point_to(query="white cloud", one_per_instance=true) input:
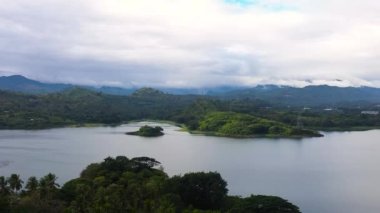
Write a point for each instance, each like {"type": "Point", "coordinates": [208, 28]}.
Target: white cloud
{"type": "Point", "coordinates": [190, 43]}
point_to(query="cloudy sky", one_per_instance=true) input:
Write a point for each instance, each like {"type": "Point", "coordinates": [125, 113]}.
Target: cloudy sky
{"type": "Point", "coordinates": [192, 43]}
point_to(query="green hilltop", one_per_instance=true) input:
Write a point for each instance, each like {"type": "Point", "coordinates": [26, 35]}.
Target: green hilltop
{"type": "Point", "coordinates": [242, 125]}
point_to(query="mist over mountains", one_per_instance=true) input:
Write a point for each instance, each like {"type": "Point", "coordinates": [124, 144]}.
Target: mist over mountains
{"type": "Point", "coordinates": [284, 95]}
{"type": "Point", "coordinates": [19, 83]}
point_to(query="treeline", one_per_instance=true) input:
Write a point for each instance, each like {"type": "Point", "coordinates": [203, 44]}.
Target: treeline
{"type": "Point", "coordinates": [132, 185]}
{"type": "Point", "coordinates": [341, 118]}
{"type": "Point", "coordinates": [79, 106]}
{"type": "Point", "coordinates": [309, 96]}
{"type": "Point", "coordinates": [345, 117]}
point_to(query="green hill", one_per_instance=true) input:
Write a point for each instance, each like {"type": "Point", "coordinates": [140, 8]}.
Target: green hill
{"type": "Point", "coordinates": [147, 92]}
{"type": "Point", "coordinates": [243, 125]}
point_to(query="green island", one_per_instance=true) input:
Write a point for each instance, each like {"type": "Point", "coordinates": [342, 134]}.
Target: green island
{"type": "Point", "coordinates": [208, 115]}
{"type": "Point", "coordinates": [139, 184]}
{"type": "Point", "coordinates": [148, 131]}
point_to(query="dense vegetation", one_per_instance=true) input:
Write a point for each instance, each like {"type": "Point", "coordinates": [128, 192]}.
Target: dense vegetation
{"type": "Point", "coordinates": [148, 131]}
{"type": "Point", "coordinates": [309, 96]}
{"type": "Point", "coordinates": [78, 106]}
{"type": "Point", "coordinates": [242, 125]}
{"type": "Point", "coordinates": [131, 185]}
{"type": "Point", "coordinates": [345, 117]}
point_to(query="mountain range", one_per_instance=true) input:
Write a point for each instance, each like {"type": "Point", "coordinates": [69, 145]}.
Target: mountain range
{"type": "Point", "coordinates": [283, 95]}
{"type": "Point", "coordinates": [19, 83]}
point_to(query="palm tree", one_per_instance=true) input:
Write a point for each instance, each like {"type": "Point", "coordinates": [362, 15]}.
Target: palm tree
{"type": "Point", "coordinates": [48, 185]}
{"type": "Point", "coordinates": [50, 181]}
{"type": "Point", "coordinates": [32, 184]}
{"type": "Point", "coordinates": [15, 183]}
{"type": "Point", "coordinates": [4, 189]}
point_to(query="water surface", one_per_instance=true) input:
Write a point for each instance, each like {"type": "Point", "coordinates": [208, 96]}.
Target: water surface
{"type": "Point", "coordinates": [337, 173]}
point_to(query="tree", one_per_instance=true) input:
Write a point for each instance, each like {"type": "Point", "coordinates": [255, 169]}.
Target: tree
{"type": "Point", "coordinates": [144, 162]}
{"type": "Point", "coordinates": [262, 204]}
{"type": "Point", "coordinates": [15, 183]}
{"type": "Point", "coordinates": [206, 191]}
{"type": "Point", "coordinates": [48, 185]}
{"type": "Point", "coordinates": [32, 184]}
{"type": "Point", "coordinates": [49, 181]}
{"type": "Point", "coordinates": [4, 189]}
{"type": "Point", "coordinates": [116, 185]}
{"type": "Point", "coordinates": [4, 198]}
{"type": "Point", "coordinates": [148, 131]}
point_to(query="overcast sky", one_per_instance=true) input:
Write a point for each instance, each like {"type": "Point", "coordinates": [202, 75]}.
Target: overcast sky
{"type": "Point", "coordinates": [192, 43]}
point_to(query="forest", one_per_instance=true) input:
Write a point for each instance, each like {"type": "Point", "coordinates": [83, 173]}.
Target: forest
{"type": "Point", "coordinates": [78, 106]}
{"type": "Point", "coordinates": [139, 184]}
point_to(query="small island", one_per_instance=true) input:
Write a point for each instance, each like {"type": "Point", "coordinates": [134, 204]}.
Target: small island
{"type": "Point", "coordinates": [148, 131]}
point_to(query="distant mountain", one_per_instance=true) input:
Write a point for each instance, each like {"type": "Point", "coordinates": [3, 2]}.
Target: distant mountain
{"type": "Point", "coordinates": [309, 96]}
{"type": "Point", "coordinates": [147, 92]}
{"type": "Point", "coordinates": [113, 90]}
{"type": "Point", "coordinates": [18, 83]}
{"type": "Point", "coordinates": [201, 91]}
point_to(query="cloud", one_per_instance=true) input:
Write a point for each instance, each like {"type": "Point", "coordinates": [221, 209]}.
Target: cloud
{"type": "Point", "coordinates": [195, 43]}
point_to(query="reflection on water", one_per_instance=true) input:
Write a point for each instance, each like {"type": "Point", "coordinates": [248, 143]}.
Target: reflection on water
{"type": "Point", "coordinates": [336, 173]}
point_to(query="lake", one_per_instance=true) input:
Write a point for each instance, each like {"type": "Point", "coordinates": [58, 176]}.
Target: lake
{"type": "Point", "coordinates": [336, 173]}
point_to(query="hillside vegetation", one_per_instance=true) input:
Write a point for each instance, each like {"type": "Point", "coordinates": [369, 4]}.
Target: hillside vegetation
{"type": "Point", "coordinates": [243, 125]}
{"type": "Point", "coordinates": [309, 96]}
{"type": "Point", "coordinates": [78, 106]}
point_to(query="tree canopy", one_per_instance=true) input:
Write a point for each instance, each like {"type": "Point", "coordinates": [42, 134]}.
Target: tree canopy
{"type": "Point", "coordinates": [121, 184]}
{"type": "Point", "coordinates": [148, 131]}
{"type": "Point", "coordinates": [240, 125]}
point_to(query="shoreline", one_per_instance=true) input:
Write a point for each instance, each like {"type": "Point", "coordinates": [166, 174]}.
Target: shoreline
{"type": "Point", "coordinates": [183, 128]}
{"type": "Point", "coordinates": [215, 134]}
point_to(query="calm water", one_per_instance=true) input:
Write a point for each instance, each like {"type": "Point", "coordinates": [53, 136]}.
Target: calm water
{"type": "Point", "coordinates": [337, 173]}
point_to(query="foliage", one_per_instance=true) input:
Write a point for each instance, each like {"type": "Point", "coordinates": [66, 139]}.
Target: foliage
{"type": "Point", "coordinates": [148, 131]}
{"type": "Point", "coordinates": [261, 204]}
{"type": "Point", "coordinates": [236, 124]}
{"type": "Point", "coordinates": [78, 106]}
{"type": "Point", "coordinates": [309, 96]}
{"type": "Point", "coordinates": [133, 185]}
{"type": "Point", "coordinates": [147, 92]}
{"type": "Point", "coordinates": [201, 190]}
